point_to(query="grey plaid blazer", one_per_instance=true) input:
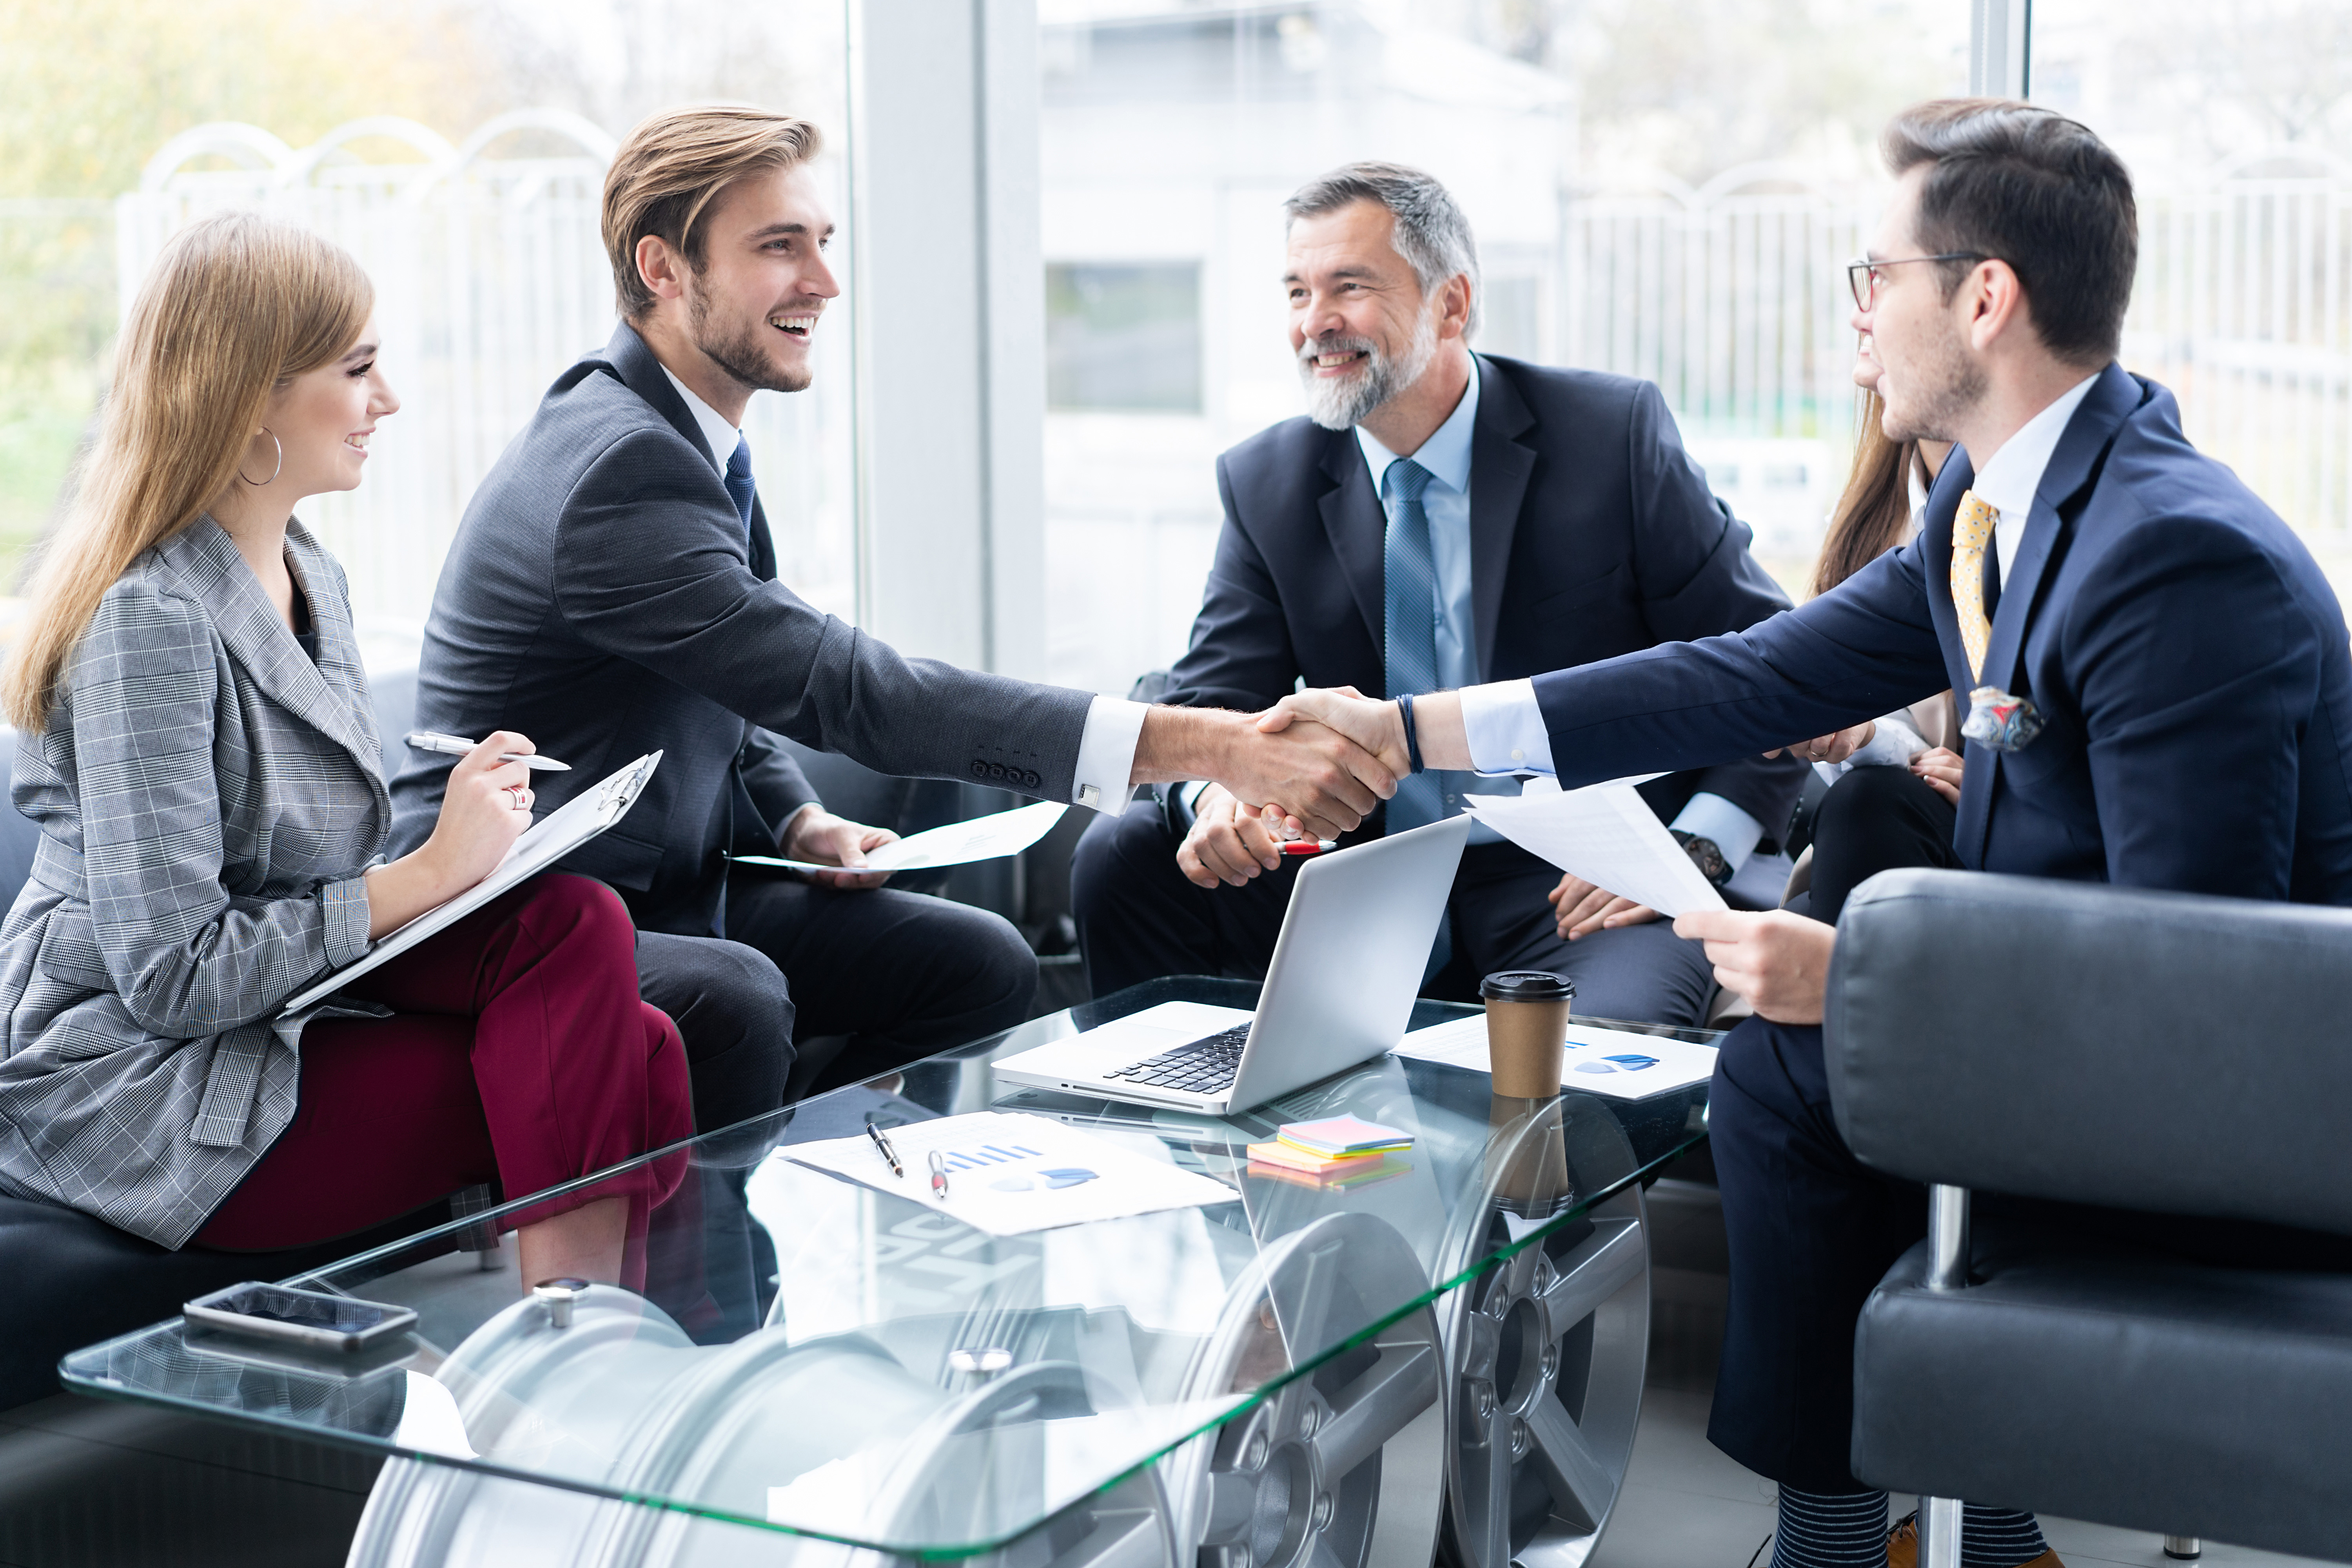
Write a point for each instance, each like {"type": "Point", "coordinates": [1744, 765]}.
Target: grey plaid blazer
{"type": "Point", "coordinates": [208, 797]}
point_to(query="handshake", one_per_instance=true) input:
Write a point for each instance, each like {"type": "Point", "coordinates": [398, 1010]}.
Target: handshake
{"type": "Point", "coordinates": [1321, 759]}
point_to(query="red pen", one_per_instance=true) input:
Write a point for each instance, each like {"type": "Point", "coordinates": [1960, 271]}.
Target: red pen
{"type": "Point", "coordinates": [1308, 846]}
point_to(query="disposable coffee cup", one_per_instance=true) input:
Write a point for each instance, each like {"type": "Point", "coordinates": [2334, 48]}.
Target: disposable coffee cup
{"type": "Point", "coordinates": [1526, 1030]}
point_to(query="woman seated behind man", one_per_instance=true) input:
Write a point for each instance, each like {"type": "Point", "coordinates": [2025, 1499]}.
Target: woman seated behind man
{"type": "Point", "coordinates": [1897, 801]}
{"type": "Point", "coordinates": [198, 748]}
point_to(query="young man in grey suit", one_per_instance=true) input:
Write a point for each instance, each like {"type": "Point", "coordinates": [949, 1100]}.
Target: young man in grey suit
{"type": "Point", "coordinates": [1438, 519]}
{"type": "Point", "coordinates": [613, 590]}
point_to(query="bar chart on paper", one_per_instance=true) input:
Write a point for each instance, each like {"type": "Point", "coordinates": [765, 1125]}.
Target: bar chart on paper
{"type": "Point", "coordinates": [1007, 1173]}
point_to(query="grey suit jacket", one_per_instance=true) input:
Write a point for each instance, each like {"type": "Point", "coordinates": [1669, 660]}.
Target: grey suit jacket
{"type": "Point", "coordinates": [604, 598]}
{"type": "Point", "coordinates": [208, 797]}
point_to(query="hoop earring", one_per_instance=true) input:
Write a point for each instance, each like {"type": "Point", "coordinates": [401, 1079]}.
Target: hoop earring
{"type": "Point", "coordinates": [274, 472]}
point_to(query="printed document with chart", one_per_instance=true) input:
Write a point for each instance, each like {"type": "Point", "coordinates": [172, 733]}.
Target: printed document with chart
{"type": "Point", "coordinates": [1009, 1173]}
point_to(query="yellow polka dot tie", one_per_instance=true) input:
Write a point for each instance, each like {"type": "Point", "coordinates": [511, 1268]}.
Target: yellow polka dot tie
{"type": "Point", "coordinates": [1971, 532]}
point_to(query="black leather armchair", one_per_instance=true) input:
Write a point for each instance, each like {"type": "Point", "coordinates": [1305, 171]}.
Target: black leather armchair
{"type": "Point", "coordinates": [2157, 1053]}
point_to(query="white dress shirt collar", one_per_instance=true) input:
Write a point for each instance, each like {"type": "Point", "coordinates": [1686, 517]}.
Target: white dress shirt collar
{"type": "Point", "coordinates": [717, 431]}
{"type": "Point", "coordinates": [1447, 453]}
{"type": "Point", "coordinates": [2014, 473]}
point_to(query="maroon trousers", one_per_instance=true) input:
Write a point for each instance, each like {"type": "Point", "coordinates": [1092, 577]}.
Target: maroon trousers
{"type": "Point", "coordinates": [518, 1052]}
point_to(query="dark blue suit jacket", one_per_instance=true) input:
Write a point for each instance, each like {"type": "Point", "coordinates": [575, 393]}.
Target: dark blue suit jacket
{"type": "Point", "coordinates": [1591, 533]}
{"type": "Point", "coordinates": [2188, 658]}
{"type": "Point", "coordinates": [604, 598]}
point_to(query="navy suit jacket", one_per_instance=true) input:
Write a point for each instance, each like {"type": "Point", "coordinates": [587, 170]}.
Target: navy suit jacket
{"type": "Point", "coordinates": [603, 597]}
{"type": "Point", "coordinates": [2189, 661]}
{"type": "Point", "coordinates": [1592, 534]}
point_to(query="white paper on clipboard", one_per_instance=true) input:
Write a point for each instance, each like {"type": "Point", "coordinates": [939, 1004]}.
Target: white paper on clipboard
{"type": "Point", "coordinates": [544, 843]}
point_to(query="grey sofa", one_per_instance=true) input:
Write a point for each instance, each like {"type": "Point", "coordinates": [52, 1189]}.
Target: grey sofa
{"type": "Point", "coordinates": [2148, 1052]}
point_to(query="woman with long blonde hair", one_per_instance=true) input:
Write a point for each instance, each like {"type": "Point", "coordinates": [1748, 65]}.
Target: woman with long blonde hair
{"type": "Point", "coordinates": [199, 751]}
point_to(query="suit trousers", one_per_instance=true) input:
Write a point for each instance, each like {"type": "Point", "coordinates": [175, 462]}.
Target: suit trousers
{"type": "Point", "coordinates": [903, 975]}
{"type": "Point", "coordinates": [1813, 1230]}
{"type": "Point", "coordinates": [1139, 918]}
{"type": "Point", "coordinates": [1877, 819]}
{"type": "Point", "coordinates": [518, 1052]}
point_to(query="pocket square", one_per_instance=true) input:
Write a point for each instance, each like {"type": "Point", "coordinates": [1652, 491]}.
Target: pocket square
{"type": "Point", "coordinates": [2001, 721]}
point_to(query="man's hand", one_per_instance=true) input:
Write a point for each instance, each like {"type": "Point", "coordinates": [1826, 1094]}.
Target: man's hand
{"type": "Point", "coordinates": [1582, 909]}
{"type": "Point", "coordinates": [815, 834]}
{"type": "Point", "coordinates": [1780, 961]}
{"type": "Point", "coordinates": [1834, 748]}
{"type": "Point", "coordinates": [1378, 727]}
{"type": "Point", "coordinates": [1326, 781]}
{"type": "Point", "coordinates": [1941, 768]}
{"type": "Point", "coordinates": [1229, 843]}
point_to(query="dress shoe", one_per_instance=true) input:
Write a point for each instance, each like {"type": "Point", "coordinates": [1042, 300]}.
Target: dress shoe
{"type": "Point", "coordinates": [1903, 1548]}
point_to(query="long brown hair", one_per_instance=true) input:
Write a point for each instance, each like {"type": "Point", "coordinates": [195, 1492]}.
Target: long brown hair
{"type": "Point", "coordinates": [236, 305]}
{"type": "Point", "coordinates": [1874, 515]}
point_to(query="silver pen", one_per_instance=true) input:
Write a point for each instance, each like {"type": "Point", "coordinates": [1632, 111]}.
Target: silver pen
{"type": "Point", "coordinates": [457, 747]}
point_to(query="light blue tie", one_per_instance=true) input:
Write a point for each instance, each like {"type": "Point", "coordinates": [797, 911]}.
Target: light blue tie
{"type": "Point", "coordinates": [1409, 573]}
{"type": "Point", "coordinates": [1409, 579]}
{"type": "Point", "coordinates": [739, 488]}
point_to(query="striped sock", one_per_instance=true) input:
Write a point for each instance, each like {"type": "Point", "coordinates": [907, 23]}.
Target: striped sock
{"type": "Point", "coordinates": [1999, 1538]}
{"type": "Point", "coordinates": [1831, 1529]}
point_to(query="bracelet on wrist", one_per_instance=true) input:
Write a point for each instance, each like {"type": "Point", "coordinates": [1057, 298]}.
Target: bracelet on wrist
{"type": "Point", "coordinates": [1412, 739]}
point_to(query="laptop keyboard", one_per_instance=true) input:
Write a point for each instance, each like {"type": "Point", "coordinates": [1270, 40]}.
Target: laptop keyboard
{"type": "Point", "coordinates": [1198, 1067]}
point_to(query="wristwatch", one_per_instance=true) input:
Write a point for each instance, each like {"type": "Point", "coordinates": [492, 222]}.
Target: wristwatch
{"type": "Point", "coordinates": [1705, 855]}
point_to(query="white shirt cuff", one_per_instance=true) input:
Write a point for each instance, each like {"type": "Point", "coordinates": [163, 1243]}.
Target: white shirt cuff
{"type": "Point", "coordinates": [1733, 830]}
{"type": "Point", "coordinates": [1107, 754]}
{"type": "Point", "coordinates": [1506, 729]}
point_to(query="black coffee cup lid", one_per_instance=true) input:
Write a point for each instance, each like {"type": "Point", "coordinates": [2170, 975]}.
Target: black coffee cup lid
{"type": "Point", "coordinates": [1527, 986]}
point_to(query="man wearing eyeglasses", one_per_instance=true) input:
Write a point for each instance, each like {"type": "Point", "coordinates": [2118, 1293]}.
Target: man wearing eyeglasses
{"type": "Point", "coordinates": [2157, 689]}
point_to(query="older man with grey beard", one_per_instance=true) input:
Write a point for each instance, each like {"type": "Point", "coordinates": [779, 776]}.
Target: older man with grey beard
{"type": "Point", "coordinates": [1439, 518]}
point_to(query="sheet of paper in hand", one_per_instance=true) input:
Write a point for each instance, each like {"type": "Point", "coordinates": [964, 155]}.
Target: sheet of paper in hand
{"type": "Point", "coordinates": [1607, 835]}
{"type": "Point", "coordinates": [957, 844]}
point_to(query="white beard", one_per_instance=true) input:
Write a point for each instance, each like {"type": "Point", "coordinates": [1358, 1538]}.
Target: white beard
{"type": "Point", "coordinates": [1343, 402]}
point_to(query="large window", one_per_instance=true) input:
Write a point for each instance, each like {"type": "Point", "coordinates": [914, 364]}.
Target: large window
{"type": "Point", "coordinates": [1663, 191]}
{"type": "Point", "coordinates": [459, 155]}
{"type": "Point", "coordinates": [2237, 124]}
{"type": "Point", "coordinates": [1123, 336]}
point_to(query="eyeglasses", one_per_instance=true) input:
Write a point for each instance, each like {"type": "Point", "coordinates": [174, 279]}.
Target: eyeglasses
{"type": "Point", "coordinates": [1862, 277]}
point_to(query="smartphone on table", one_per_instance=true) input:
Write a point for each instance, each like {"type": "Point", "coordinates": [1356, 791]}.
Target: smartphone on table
{"type": "Point", "coordinates": [289, 1314]}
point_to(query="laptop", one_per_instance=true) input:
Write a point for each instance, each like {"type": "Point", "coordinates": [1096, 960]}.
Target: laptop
{"type": "Point", "coordinates": [1339, 991]}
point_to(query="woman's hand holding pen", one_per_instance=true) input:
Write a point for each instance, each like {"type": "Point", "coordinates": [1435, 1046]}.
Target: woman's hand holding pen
{"type": "Point", "coordinates": [485, 807]}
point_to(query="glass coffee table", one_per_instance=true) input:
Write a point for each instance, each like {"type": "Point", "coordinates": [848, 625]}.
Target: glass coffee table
{"type": "Point", "coordinates": [1324, 1374]}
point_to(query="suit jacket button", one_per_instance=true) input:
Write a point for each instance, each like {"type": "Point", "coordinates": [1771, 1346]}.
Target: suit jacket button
{"type": "Point", "coordinates": [979, 769]}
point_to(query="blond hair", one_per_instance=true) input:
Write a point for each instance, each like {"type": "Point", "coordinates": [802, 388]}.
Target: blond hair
{"type": "Point", "coordinates": [671, 170]}
{"type": "Point", "coordinates": [236, 305]}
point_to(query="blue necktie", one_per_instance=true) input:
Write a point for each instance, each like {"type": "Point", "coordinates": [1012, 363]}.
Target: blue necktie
{"type": "Point", "coordinates": [1409, 581]}
{"type": "Point", "coordinates": [738, 480]}
{"type": "Point", "coordinates": [1409, 573]}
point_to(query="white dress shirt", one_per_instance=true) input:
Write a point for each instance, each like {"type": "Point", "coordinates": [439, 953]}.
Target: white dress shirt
{"type": "Point", "coordinates": [1506, 728]}
{"type": "Point", "coordinates": [1114, 727]}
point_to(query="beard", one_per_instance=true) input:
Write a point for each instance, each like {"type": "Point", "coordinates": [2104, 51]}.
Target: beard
{"type": "Point", "coordinates": [1342, 402]}
{"type": "Point", "coordinates": [1946, 384]}
{"type": "Point", "coordinates": [740, 350]}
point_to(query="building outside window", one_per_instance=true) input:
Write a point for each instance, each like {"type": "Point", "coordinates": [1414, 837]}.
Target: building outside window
{"type": "Point", "coordinates": [1659, 191]}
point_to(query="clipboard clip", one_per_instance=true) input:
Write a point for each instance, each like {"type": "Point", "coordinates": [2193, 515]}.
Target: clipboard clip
{"type": "Point", "coordinates": [621, 792]}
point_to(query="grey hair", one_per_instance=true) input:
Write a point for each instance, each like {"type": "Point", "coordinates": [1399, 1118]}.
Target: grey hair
{"type": "Point", "coordinates": [1431, 233]}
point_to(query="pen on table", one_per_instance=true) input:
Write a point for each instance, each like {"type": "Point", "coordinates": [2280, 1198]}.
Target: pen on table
{"type": "Point", "coordinates": [457, 747]}
{"type": "Point", "coordinates": [939, 1177]}
{"type": "Point", "coordinates": [889, 1153]}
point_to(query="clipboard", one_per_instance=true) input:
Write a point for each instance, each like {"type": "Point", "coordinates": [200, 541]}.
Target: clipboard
{"type": "Point", "coordinates": [543, 843]}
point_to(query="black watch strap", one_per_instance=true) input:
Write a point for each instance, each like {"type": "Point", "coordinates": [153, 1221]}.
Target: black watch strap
{"type": "Point", "coordinates": [1706, 855]}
